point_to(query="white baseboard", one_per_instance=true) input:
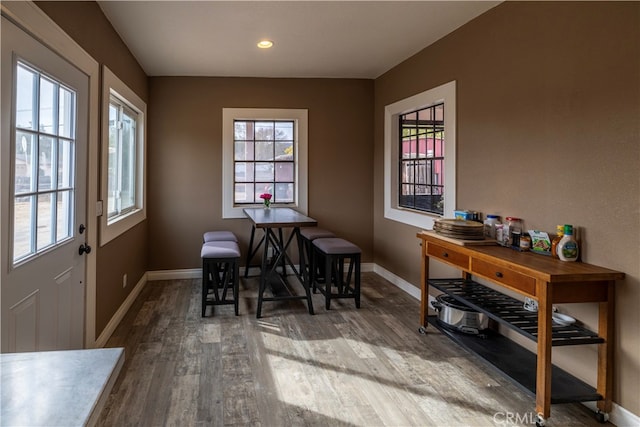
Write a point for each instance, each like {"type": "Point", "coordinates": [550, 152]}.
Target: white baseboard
{"type": "Point", "coordinates": [119, 314]}
{"type": "Point", "coordinates": [191, 273]}
{"type": "Point", "coordinates": [397, 281]}
{"type": "Point", "coordinates": [619, 416]}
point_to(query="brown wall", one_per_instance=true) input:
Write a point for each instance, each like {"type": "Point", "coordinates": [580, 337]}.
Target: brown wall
{"type": "Point", "coordinates": [85, 22]}
{"type": "Point", "coordinates": [185, 129]}
{"type": "Point", "coordinates": [548, 130]}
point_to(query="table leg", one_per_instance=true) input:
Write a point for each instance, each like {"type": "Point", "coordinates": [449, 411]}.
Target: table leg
{"type": "Point", "coordinates": [605, 350]}
{"type": "Point", "coordinates": [249, 254]}
{"type": "Point", "coordinates": [264, 272]}
{"type": "Point", "coordinates": [543, 372]}
{"type": "Point", "coordinates": [424, 288]}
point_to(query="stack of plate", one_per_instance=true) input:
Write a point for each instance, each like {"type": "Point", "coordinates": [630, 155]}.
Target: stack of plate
{"type": "Point", "coordinates": [459, 229]}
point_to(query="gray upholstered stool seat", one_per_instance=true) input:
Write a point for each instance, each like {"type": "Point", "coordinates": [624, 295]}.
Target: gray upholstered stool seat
{"type": "Point", "coordinates": [307, 261]}
{"type": "Point", "coordinates": [336, 246]}
{"type": "Point", "coordinates": [219, 236]}
{"type": "Point", "coordinates": [313, 233]}
{"type": "Point", "coordinates": [220, 271]}
{"type": "Point", "coordinates": [220, 250]}
{"type": "Point", "coordinates": [334, 252]}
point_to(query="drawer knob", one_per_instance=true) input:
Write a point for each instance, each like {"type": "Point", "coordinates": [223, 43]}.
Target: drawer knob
{"type": "Point", "coordinates": [498, 274]}
{"type": "Point", "coordinates": [445, 255]}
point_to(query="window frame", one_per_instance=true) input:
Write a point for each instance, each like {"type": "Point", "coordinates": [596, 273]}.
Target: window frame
{"type": "Point", "coordinates": [416, 162]}
{"type": "Point", "coordinates": [112, 227]}
{"type": "Point", "coordinates": [300, 117]}
{"type": "Point", "coordinates": [445, 93]}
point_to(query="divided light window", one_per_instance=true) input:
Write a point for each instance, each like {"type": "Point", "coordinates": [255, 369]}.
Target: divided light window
{"type": "Point", "coordinates": [421, 168]}
{"type": "Point", "coordinates": [44, 161]}
{"type": "Point", "coordinates": [123, 137]}
{"type": "Point", "coordinates": [264, 160]}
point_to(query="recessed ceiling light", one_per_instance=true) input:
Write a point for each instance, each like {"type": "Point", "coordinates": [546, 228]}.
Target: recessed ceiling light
{"type": "Point", "coordinates": [265, 44]}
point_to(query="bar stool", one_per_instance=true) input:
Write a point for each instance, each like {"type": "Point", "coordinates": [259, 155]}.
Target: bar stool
{"type": "Point", "coordinates": [220, 271]}
{"type": "Point", "coordinates": [335, 251]}
{"type": "Point", "coordinates": [219, 236]}
{"type": "Point", "coordinates": [307, 263]}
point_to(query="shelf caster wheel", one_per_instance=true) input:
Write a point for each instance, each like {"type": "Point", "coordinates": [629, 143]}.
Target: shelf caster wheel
{"type": "Point", "coordinates": [540, 421]}
{"type": "Point", "coordinates": [422, 330]}
{"type": "Point", "coordinates": [602, 417]}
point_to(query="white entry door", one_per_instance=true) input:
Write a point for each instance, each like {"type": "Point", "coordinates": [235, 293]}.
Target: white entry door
{"type": "Point", "coordinates": [43, 163]}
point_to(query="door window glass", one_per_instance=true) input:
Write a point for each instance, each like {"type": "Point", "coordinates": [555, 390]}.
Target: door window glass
{"type": "Point", "coordinates": [44, 156]}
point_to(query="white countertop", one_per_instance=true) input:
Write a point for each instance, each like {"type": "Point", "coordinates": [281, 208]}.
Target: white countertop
{"type": "Point", "coordinates": [57, 388]}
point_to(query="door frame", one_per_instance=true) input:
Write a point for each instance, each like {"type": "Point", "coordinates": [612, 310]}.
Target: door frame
{"type": "Point", "coordinates": [29, 17]}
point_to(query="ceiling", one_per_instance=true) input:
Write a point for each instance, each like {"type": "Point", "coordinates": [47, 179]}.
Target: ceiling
{"type": "Point", "coordinates": [328, 39]}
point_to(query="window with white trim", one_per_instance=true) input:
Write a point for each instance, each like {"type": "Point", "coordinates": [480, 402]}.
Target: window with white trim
{"type": "Point", "coordinates": [420, 157]}
{"type": "Point", "coordinates": [123, 158]}
{"type": "Point", "coordinates": [263, 151]}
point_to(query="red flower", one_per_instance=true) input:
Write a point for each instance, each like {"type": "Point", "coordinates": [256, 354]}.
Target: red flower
{"type": "Point", "coordinates": [266, 196]}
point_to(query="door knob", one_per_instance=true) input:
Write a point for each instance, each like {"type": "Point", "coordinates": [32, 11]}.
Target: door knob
{"type": "Point", "coordinates": [84, 249]}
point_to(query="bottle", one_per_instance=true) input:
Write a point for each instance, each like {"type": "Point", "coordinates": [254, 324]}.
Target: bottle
{"type": "Point", "coordinates": [500, 233]}
{"type": "Point", "coordinates": [554, 242]}
{"type": "Point", "coordinates": [512, 231]}
{"type": "Point", "coordinates": [489, 226]}
{"type": "Point", "coordinates": [567, 248]}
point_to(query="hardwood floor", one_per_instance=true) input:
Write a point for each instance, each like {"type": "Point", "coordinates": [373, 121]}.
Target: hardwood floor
{"type": "Point", "coordinates": [343, 367]}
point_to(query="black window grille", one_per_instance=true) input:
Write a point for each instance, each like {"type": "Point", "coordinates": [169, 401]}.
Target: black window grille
{"type": "Point", "coordinates": [421, 157]}
{"type": "Point", "coordinates": [264, 160]}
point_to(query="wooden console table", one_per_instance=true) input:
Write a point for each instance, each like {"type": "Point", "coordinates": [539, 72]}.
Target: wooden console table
{"type": "Point", "coordinates": [545, 279]}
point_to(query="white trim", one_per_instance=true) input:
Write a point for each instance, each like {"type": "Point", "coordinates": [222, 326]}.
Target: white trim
{"type": "Point", "coordinates": [618, 416]}
{"type": "Point", "coordinates": [121, 312]}
{"type": "Point", "coordinates": [37, 23]}
{"type": "Point", "coordinates": [229, 210]}
{"type": "Point", "coordinates": [191, 273]}
{"type": "Point", "coordinates": [110, 229]}
{"type": "Point", "coordinates": [397, 281]}
{"type": "Point", "coordinates": [444, 93]}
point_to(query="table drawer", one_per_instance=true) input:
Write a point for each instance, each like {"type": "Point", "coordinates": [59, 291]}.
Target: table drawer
{"type": "Point", "coordinates": [512, 279]}
{"type": "Point", "coordinates": [448, 255]}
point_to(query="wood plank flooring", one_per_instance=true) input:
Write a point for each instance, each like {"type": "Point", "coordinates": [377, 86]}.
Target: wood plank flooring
{"type": "Point", "coordinates": [342, 367]}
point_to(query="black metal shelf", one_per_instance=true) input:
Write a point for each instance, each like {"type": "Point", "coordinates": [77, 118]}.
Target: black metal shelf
{"type": "Point", "coordinates": [520, 365]}
{"type": "Point", "coordinates": [510, 312]}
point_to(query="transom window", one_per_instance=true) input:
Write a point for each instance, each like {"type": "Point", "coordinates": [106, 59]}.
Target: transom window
{"type": "Point", "coordinates": [44, 155]}
{"type": "Point", "coordinates": [264, 160]}
{"type": "Point", "coordinates": [421, 136]}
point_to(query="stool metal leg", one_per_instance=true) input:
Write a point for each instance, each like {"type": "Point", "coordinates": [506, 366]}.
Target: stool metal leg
{"type": "Point", "coordinates": [357, 280]}
{"type": "Point", "coordinates": [329, 261]}
{"type": "Point", "coordinates": [236, 285]}
{"type": "Point", "coordinates": [205, 286]}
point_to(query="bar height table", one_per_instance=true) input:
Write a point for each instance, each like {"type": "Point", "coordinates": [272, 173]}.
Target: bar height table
{"type": "Point", "coordinates": [270, 220]}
